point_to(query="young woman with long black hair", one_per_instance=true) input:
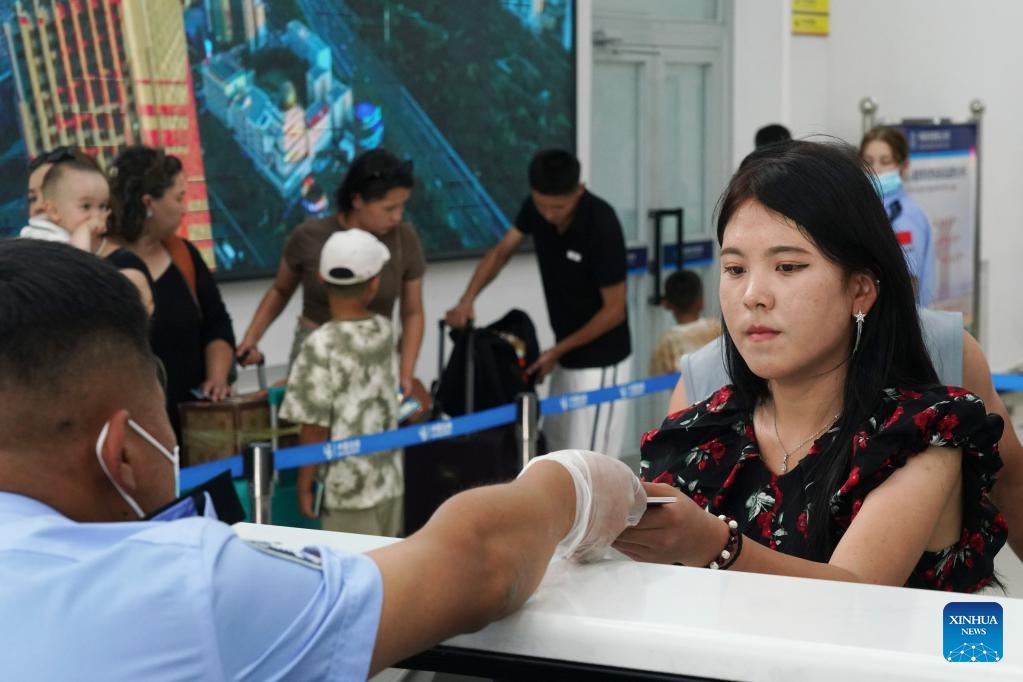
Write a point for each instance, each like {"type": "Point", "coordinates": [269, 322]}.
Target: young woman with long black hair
{"type": "Point", "coordinates": [834, 454]}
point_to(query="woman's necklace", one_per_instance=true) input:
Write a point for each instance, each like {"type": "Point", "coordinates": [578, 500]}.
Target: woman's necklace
{"type": "Point", "coordinates": [812, 436]}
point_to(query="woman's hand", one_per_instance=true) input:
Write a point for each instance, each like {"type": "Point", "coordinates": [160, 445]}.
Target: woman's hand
{"type": "Point", "coordinates": [680, 532]}
{"type": "Point", "coordinates": [304, 483]}
{"type": "Point", "coordinates": [248, 354]}
{"type": "Point", "coordinates": [406, 386]}
{"type": "Point", "coordinates": [305, 502]}
{"type": "Point", "coordinates": [216, 389]}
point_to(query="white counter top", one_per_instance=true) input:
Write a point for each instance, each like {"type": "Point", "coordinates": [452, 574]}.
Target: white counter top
{"type": "Point", "coordinates": [721, 624]}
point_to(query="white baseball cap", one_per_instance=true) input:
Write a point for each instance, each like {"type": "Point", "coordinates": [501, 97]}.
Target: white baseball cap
{"type": "Point", "coordinates": [352, 256]}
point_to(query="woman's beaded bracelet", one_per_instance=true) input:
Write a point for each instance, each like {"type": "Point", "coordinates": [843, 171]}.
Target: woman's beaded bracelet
{"type": "Point", "coordinates": [730, 553]}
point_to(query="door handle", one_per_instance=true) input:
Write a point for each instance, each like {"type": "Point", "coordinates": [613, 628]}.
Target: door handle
{"type": "Point", "coordinates": [658, 215]}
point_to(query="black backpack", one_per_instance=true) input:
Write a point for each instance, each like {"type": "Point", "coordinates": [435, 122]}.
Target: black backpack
{"type": "Point", "coordinates": [501, 352]}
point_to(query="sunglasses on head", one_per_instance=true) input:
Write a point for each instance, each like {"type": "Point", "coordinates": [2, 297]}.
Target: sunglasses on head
{"type": "Point", "coordinates": [54, 156]}
{"type": "Point", "coordinates": [392, 172]}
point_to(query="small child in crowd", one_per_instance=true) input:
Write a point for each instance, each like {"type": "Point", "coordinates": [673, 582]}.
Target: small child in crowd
{"type": "Point", "coordinates": [343, 383]}
{"type": "Point", "coordinates": [76, 204]}
{"type": "Point", "coordinates": [683, 298]}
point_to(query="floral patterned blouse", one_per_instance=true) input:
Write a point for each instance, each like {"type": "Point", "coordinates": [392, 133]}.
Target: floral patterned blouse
{"type": "Point", "coordinates": [709, 452]}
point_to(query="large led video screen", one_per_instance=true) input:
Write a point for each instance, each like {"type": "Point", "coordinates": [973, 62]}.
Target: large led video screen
{"type": "Point", "coordinates": [268, 101]}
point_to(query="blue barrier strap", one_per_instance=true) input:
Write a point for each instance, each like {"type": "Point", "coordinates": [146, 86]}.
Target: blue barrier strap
{"type": "Point", "coordinates": [1008, 383]}
{"type": "Point", "coordinates": [330, 451]}
{"type": "Point", "coordinates": [635, 389]}
{"type": "Point", "coordinates": [193, 476]}
{"type": "Point", "coordinates": [318, 453]}
{"type": "Point", "coordinates": [672, 266]}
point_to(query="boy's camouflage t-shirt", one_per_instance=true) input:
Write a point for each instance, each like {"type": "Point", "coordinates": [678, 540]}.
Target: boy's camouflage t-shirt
{"type": "Point", "coordinates": [344, 378]}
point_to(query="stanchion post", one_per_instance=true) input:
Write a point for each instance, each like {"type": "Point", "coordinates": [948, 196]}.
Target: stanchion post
{"type": "Point", "coordinates": [868, 112]}
{"type": "Point", "coordinates": [274, 398]}
{"type": "Point", "coordinates": [526, 431]}
{"type": "Point", "coordinates": [258, 469]}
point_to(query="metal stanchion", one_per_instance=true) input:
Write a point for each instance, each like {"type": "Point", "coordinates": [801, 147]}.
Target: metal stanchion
{"type": "Point", "coordinates": [527, 411]}
{"type": "Point", "coordinates": [868, 112]}
{"type": "Point", "coordinates": [274, 397]}
{"type": "Point", "coordinates": [258, 469]}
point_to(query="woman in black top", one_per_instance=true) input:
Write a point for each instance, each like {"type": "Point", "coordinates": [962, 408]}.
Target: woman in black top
{"type": "Point", "coordinates": [132, 267]}
{"type": "Point", "coordinates": [191, 330]}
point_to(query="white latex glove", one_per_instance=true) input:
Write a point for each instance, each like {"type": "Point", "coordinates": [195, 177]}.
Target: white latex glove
{"type": "Point", "coordinates": [608, 499]}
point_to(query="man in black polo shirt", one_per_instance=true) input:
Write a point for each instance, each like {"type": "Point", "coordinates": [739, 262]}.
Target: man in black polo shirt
{"type": "Point", "coordinates": [581, 253]}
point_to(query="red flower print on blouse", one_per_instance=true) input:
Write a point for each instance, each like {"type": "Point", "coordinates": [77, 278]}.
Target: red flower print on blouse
{"type": "Point", "coordinates": [852, 481]}
{"type": "Point", "coordinates": [896, 416]}
{"type": "Point", "coordinates": [664, 477]}
{"type": "Point", "coordinates": [647, 437]}
{"type": "Point", "coordinates": [675, 416]}
{"type": "Point", "coordinates": [719, 399]}
{"type": "Point", "coordinates": [715, 448]}
{"type": "Point", "coordinates": [718, 455]}
{"type": "Point", "coordinates": [977, 542]}
{"type": "Point", "coordinates": [947, 426]}
{"type": "Point", "coordinates": [802, 523]}
{"type": "Point", "coordinates": [957, 392]}
{"type": "Point", "coordinates": [923, 418]}
{"type": "Point", "coordinates": [764, 520]}
{"type": "Point", "coordinates": [860, 441]}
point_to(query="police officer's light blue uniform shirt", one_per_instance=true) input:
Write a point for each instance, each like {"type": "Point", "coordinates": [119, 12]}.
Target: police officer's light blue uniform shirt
{"type": "Point", "coordinates": [174, 600]}
{"type": "Point", "coordinates": [913, 230]}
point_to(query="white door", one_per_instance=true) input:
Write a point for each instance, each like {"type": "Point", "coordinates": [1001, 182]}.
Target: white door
{"type": "Point", "coordinates": [658, 143]}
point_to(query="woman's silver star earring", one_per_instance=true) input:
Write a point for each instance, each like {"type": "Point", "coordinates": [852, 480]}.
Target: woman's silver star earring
{"type": "Point", "coordinates": [860, 317]}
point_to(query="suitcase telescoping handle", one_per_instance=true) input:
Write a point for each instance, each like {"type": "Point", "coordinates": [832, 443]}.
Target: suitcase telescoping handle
{"type": "Point", "coordinates": [470, 364]}
{"type": "Point", "coordinates": [260, 371]}
{"type": "Point", "coordinates": [435, 403]}
{"type": "Point", "coordinates": [440, 348]}
{"type": "Point", "coordinates": [470, 367]}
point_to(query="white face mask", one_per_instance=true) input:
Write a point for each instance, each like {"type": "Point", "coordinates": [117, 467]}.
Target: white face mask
{"type": "Point", "coordinates": [174, 458]}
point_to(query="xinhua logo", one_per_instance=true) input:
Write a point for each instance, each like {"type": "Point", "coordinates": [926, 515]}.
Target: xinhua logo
{"type": "Point", "coordinates": [973, 632]}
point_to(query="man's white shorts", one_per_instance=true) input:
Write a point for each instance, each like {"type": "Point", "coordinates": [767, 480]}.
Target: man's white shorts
{"type": "Point", "coordinates": [600, 428]}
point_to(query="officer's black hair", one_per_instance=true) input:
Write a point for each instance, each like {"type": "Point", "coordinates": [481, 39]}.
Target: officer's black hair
{"type": "Point", "coordinates": [62, 311]}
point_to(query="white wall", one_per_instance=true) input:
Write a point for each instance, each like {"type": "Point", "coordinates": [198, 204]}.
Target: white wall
{"type": "Point", "coordinates": [761, 70]}
{"type": "Point", "coordinates": [918, 58]}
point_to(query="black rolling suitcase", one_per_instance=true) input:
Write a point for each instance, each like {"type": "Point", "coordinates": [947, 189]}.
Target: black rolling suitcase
{"type": "Point", "coordinates": [435, 471]}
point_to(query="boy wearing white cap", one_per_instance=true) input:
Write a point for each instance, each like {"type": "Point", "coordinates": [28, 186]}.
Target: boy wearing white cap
{"type": "Point", "coordinates": [343, 383]}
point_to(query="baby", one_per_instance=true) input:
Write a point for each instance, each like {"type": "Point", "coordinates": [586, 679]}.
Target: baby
{"type": "Point", "coordinates": [76, 203]}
